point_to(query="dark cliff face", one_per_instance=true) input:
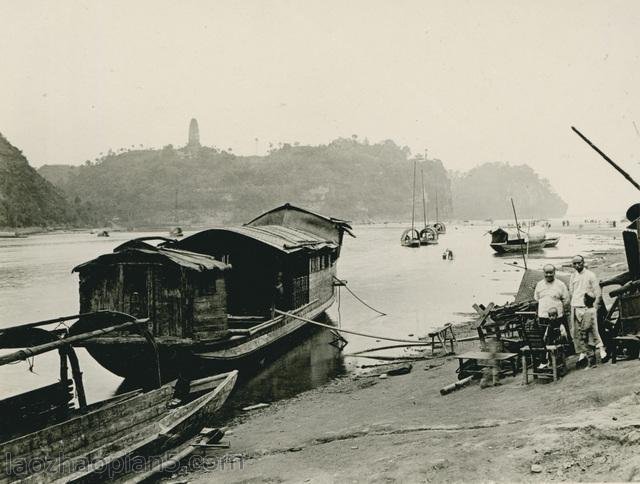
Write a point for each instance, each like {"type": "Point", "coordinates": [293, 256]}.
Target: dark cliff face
{"type": "Point", "coordinates": [26, 198]}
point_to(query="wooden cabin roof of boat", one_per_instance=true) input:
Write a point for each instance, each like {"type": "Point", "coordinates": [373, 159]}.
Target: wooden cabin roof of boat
{"type": "Point", "coordinates": [283, 239]}
{"type": "Point", "coordinates": [140, 251]}
{"type": "Point", "coordinates": [287, 215]}
{"type": "Point", "coordinates": [287, 229]}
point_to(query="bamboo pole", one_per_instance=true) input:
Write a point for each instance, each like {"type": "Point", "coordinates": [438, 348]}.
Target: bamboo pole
{"type": "Point", "coordinates": [413, 200]}
{"type": "Point", "coordinates": [607, 159]}
{"type": "Point", "coordinates": [25, 353]}
{"type": "Point", "coordinates": [524, 258]}
{"type": "Point", "coordinates": [57, 320]}
{"type": "Point", "coordinates": [424, 202]}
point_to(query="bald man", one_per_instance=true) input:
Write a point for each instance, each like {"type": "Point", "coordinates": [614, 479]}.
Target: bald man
{"type": "Point", "coordinates": [551, 293]}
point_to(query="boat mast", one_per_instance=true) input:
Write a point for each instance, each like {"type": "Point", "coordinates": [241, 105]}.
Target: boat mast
{"type": "Point", "coordinates": [413, 200]}
{"type": "Point", "coordinates": [524, 258]}
{"type": "Point", "coordinates": [437, 216]}
{"type": "Point", "coordinates": [176, 208]}
{"type": "Point", "coordinates": [424, 203]}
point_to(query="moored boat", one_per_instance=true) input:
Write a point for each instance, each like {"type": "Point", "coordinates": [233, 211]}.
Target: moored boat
{"type": "Point", "coordinates": [46, 438]}
{"type": "Point", "coordinates": [429, 234]}
{"type": "Point", "coordinates": [211, 297]}
{"type": "Point", "coordinates": [410, 238]}
{"type": "Point", "coordinates": [510, 241]}
{"type": "Point", "coordinates": [550, 241]}
{"type": "Point", "coordinates": [12, 235]}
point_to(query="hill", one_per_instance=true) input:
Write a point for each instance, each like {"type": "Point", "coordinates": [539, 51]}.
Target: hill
{"type": "Point", "coordinates": [27, 199]}
{"type": "Point", "coordinates": [485, 191]}
{"type": "Point", "coordinates": [197, 185]}
{"type": "Point", "coordinates": [349, 178]}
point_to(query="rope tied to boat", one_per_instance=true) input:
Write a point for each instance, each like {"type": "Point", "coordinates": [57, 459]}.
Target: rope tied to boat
{"type": "Point", "coordinates": [343, 283]}
{"type": "Point", "coordinates": [340, 330]}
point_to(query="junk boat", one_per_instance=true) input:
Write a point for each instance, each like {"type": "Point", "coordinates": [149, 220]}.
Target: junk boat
{"type": "Point", "coordinates": [509, 241]}
{"type": "Point", "coordinates": [411, 237]}
{"type": "Point", "coordinates": [429, 234]}
{"type": "Point", "coordinates": [47, 438]}
{"type": "Point", "coordinates": [211, 298]}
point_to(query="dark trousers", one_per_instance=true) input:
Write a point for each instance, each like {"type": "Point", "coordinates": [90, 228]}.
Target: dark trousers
{"type": "Point", "coordinates": [553, 333]}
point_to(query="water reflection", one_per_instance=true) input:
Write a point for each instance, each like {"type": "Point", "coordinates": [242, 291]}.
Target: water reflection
{"type": "Point", "coordinates": [302, 362]}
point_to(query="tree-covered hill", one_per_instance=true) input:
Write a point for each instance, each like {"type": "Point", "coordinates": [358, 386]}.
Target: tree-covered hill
{"type": "Point", "coordinates": [346, 178]}
{"type": "Point", "coordinates": [27, 199]}
{"type": "Point", "coordinates": [485, 191]}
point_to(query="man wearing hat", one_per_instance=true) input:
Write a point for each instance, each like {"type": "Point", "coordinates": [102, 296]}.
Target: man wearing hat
{"type": "Point", "coordinates": [582, 282]}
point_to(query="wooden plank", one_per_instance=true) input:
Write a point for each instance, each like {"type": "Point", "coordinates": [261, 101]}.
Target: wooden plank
{"type": "Point", "coordinates": [485, 355]}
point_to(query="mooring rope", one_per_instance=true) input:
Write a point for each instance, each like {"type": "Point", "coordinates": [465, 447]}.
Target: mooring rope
{"type": "Point", "coordinates": [358, 298]}
{"type": "Point", "coordinates": [366, 335]}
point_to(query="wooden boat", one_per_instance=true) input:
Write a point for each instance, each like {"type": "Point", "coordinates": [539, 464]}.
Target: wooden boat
{"type": "Point", "coordinates": [103, 233]}
{"type": "Point", "coordinates": [411, 237]}
{"type": "Point", "coordinates": [513, 241]}
{"type": "Point", "coordinates": [12, 235]}
{"type": "Point", "coordinates": [210, 297]}
{"type": "Point", "coordinates": [428, 235]}
{"type": "Point", "coordinates": [551, 241]}
{"type": "Point", "coordinates": [45, 438]}
{"type": "Point", "coordinates": [440, 227]}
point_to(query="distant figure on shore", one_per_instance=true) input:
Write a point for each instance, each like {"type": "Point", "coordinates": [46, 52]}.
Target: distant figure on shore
{"type": "Point", "coordinates": [552, 296]}
{"type": "Point", "coordinates": [583, 282]}
{"type": "Point", "coordinates": [447, 254]}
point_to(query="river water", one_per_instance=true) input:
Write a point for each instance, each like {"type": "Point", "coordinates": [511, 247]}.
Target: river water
{"type": "Point", "coordinates": [415, 287]}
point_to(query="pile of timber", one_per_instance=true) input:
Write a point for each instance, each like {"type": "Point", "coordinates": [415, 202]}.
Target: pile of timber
{"type": "Point", "coordinates": [507, 313]}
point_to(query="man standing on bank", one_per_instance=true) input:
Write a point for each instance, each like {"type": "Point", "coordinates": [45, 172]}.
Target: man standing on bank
{"type": "Point", "coordinates": [551, 293]}
{"type": "Point", "coordinates": [582, 282]}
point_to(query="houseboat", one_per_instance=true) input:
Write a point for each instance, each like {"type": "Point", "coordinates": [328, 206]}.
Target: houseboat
{"type": "Point", "coordinates": [211, 298]}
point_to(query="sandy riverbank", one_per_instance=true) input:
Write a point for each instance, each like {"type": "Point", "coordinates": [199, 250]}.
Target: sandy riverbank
{"type": "Point", "coordinates": [361, 429]}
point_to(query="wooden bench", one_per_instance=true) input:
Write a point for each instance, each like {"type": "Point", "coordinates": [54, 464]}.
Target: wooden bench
{"type": "Point", "coordinates": [444, 334]}
{"type": "Point", "coordinates": [477, 361]}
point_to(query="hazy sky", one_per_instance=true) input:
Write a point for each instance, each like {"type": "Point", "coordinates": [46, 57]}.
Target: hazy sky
{"type": "Point", "coordinates": [471, 81]}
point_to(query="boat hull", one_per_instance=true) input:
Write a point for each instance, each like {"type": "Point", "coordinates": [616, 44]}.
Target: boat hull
{"type": "Point", "coordinates": [412, 243]}
{"type": "Point", "coordinates": [130, 359]}
{"type": "Point", "coordinates": [503, 248]}
{"type": "Point", "coordinates": [92, 445]}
